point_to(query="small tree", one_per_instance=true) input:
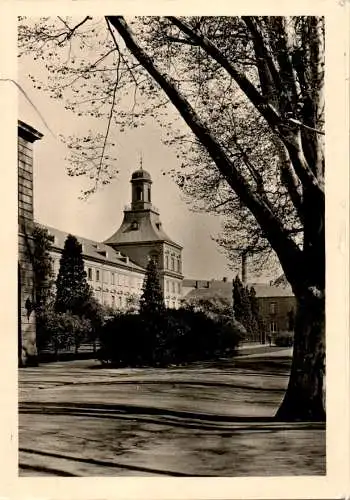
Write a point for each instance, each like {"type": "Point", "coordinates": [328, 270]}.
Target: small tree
{"type": "Point", "coordinates": [132, 302]}
{"type": "Point", "coordinates": [152, 297]}
{"type": "Point", "coordinates": [257, 320]}
{"type": "Point", "coordinates": [42, 266]}
{"type": "Point", "coordinates": [242, 306]}
{"type": "Point", "coordinates": [72, 289]}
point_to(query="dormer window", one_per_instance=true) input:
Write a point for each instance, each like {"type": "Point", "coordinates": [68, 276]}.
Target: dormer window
{"type": "Point", "coordinates": [158, 224]}
{"type": "Point", "coordinates": [134, 226]}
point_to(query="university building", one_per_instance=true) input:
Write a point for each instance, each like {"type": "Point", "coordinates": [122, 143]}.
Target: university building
{"type": "Point", "coordinates": [116, 268]}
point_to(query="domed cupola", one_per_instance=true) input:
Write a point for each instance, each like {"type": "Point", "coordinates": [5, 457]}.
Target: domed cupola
{"type": "Point", "coordinates": [141, 174]}
{"type": "Point", "coordinates": [140, 190]}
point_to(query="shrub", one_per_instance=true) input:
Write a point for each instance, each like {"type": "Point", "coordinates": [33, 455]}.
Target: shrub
{"type": "Point", "coordinates": [59, 331]}
{"type": "Point", "coordinates": [169, 337]}
{"type": "Point", "coordinates": [284, 339]}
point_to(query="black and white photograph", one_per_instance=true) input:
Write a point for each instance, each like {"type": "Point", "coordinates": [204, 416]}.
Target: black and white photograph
{"type": "Point", "coordinates": [172, 246]}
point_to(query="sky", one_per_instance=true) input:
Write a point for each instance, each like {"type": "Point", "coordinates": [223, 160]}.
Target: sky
{"type": "Point", "coordinates": [57, 200]}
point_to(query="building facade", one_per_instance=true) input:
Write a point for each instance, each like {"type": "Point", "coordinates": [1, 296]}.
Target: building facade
{"type": "Point", "coordinates": [27, 352]}
{"type": "Point", "coordinates": [115, 280]}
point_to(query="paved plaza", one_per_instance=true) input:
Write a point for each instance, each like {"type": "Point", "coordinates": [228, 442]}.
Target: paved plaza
{"type": "Point", "coordinates": [207, 419]}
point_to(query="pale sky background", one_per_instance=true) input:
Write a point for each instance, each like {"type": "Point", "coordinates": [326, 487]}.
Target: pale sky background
{"type": "Point", "coordinates": [56, 195]}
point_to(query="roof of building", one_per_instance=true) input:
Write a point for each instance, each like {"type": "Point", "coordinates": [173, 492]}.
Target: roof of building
{"type": "Point", "coordinates": [94, 250]}
{"type": "Point", "coordinates": [138, 229]}
{"type": "Point", "coordinates": [141, 174]}
{"type": "Point", "coordinates": [205, 289]}
{"type": "Point", "coordinates": [29, 132]}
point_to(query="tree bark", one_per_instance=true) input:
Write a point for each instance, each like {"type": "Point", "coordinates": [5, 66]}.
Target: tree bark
{"type": "Point", "coordinates": [304, 398]}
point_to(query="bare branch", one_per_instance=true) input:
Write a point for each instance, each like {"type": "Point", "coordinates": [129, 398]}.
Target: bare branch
{"type": "Point", "coordinates": [272, 226]}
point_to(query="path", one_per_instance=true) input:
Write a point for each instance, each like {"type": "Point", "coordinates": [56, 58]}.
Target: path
{"type": "Point", "coordinates": [207, 419]}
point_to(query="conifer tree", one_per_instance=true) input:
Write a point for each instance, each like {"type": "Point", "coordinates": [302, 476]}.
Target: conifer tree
{"type": "Point", "coordinates": [257, 322]}
{"type": "Point", "coordinates": [242, 306]}
{"type": "Point", "coordinates": [238, 300]}
{"type": "Point", "coordinates": [72, 289]}
{"type": "Point", "coordinates": [152, 297]}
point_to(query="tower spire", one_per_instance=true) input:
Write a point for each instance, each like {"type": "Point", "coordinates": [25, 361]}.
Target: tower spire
{"type": "Point", "coordinates": [141, 160]}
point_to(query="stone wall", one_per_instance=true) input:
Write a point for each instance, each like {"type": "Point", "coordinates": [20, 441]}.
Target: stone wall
{"type": "Point", "coordinates": [27, 352]}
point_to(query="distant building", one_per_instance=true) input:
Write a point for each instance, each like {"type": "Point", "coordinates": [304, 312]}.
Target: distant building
{"type": "Point", "coordinates": [275, 301]}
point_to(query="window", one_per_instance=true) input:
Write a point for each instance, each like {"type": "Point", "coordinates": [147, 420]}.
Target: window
{"type": "Point", "coordinates": [97, 275]}
{"type": "Point", "coordinates": [149, 193]}
{"type": "Point", "coordinates": [178, 265]}
{"type": "Point", "coordinates": [120, 301]}
{"type": "Point", "coordinates": [89, 274]}
{"type": "Point", "coordinates": [134, 225]}
{"type": "Point", "coordinates": [273, 307]}
{"type": "Point", "coordinates": [139, 193]}
{"type": "Point", "coordinates": [112, 279]}
{"type": "Point", "coordinates": [179, 287]}
{"type": "Point", "coordinates": [173, 286]}
{"type": "Point", "coordinates": [154, 256]}
{"type": "Point", "coordinates": [105, 276]}
{"type": "Point", "coordinates": [173, 263]}
{"type": "Point", "coordinates": [167, 286]}
{"type": "Point", "coordinates": [167, 262]}
{"type": "Point", "coordinates": [273, 327]}
{"type": "Point", "coordinates": [113, 300]}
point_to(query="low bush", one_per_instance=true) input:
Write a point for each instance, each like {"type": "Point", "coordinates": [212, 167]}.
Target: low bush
{"type": "Point", "coordinates": [166, 338]}
{"type": "Point", "coordinates": [284, 339]}
{"type": "Point", "coordinates": [60, 331]}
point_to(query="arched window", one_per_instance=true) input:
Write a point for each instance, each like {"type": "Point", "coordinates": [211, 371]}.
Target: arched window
{"type": "Point", "coordinates": [148, 193]}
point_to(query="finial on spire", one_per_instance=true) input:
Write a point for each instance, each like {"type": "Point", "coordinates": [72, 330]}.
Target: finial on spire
{"type": "Point", "coordinates": [140, 160]}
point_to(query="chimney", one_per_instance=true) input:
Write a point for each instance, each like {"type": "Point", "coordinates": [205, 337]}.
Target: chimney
{"type": "Point", "coordinates": [244, 268]}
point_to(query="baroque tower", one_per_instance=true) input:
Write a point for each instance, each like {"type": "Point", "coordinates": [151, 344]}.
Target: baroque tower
{"type": "Point", "coordinates": [141, 236]}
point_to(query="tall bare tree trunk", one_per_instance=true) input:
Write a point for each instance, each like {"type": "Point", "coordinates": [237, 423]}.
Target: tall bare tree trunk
{"type": "Point", "coordinates": [304, 398]}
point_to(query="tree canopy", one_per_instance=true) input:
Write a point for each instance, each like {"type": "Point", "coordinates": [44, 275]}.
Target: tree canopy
{"type": "Point", "coordinates": [249, 88]}
{"type": "Point", "coordinates": [151, 301]}
{"type": "Point", "coordinates": [42, 266]}
{"type": "Point", "coordinates": [72, 288]}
